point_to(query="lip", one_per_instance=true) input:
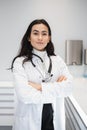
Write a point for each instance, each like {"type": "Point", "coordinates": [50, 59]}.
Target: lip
{"type": "Point", "coordinates": [39, 42]}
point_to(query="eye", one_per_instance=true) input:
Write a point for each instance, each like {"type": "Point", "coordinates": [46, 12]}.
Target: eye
{"type": "Point", "coordinates": [44, 34]}
{"type": "Point", "coordinates": [35, 33]}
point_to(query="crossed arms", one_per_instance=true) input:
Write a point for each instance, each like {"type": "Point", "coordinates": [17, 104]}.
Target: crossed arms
{"type": "Point", "coordinates": [39, 87]}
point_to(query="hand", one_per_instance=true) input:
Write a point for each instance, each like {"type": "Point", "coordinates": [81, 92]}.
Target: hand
{"type": "Point", "coordinates": [61, 78]}
{"type": "Point", "coordinates": [35, 85]}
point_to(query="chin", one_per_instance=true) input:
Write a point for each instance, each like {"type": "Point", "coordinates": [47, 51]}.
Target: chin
{"type": "Point", "coordinates": [41, 49]}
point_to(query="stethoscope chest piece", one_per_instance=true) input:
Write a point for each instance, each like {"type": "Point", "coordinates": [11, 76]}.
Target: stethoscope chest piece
{"type": "Point", "coordinates": [47, 78]}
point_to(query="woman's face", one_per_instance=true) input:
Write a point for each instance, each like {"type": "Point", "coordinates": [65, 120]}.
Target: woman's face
{"type": "Point", "coordinates": [39, 37]}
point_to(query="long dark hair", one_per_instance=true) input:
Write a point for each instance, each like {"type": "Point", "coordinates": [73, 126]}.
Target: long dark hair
{"type": "Point", "coordinates": [26, 47]}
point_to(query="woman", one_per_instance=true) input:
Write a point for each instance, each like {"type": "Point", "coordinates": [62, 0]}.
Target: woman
{"type": "Point", "coordinates": [41, 79]}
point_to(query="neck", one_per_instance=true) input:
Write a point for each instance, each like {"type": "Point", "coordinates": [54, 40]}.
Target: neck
{"type": "Point", "coordinates": [41, 54]}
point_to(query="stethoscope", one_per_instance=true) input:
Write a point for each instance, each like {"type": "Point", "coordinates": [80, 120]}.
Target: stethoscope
{"type": "Point", "coordinates": [48, 74]}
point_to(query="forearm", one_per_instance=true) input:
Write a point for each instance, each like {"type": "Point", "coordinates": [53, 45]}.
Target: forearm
{"type": "Point", "coordinates": [39, 87]}
{"type": "Point", "coordinates": [35, 85]}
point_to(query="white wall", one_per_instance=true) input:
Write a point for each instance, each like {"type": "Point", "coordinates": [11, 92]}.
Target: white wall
{"type": "Point", "coordinates": [67, 18]}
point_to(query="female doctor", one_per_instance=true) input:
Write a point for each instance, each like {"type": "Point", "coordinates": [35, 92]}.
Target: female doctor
{"type": "Point", "coordinates": [42, 81]}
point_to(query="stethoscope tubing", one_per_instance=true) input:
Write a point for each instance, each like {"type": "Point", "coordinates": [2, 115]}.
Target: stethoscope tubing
{"type": "Point", "coordinates": [49, 69]}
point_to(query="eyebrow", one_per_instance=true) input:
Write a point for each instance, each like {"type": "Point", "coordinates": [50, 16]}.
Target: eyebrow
{"type": "Point", "coordinates": [38, 31]}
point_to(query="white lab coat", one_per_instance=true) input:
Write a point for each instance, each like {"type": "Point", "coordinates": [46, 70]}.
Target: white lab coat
{"type": "Point", "coordinates": [30, 101]}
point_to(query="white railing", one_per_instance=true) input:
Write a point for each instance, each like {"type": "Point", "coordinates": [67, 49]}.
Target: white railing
{"type": "Point", "coordinates": [7, 103]}
{"type": "Point", "coordinates": [76, 118]}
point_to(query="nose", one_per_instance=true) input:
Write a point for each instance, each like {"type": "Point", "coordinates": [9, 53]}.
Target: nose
{"type": "Point", "coordinates": [40, 37]}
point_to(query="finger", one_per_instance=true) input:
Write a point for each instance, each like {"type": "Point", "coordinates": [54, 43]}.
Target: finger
{"type": "Point", "coordinates": [65, 78]}
{"type": "Point", "coordinates": [61, 78]}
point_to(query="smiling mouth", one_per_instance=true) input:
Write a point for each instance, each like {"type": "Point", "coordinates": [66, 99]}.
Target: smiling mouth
{"type": "Point", "coordinates": [39, 43]}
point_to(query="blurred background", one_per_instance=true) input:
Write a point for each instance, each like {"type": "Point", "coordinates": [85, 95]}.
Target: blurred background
{"type": "Point", "coordinates": [68, 21]}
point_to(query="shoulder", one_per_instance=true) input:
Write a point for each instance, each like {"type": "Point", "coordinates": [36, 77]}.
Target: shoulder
{"type": "Point", "coordinates": [18, 67]}
{"type": "Point", "coordinates": [58, 61]}
{"type": "Point", "coordinates": [57, 58]}
{"type": "Point", "coordinates": [18, 61]}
